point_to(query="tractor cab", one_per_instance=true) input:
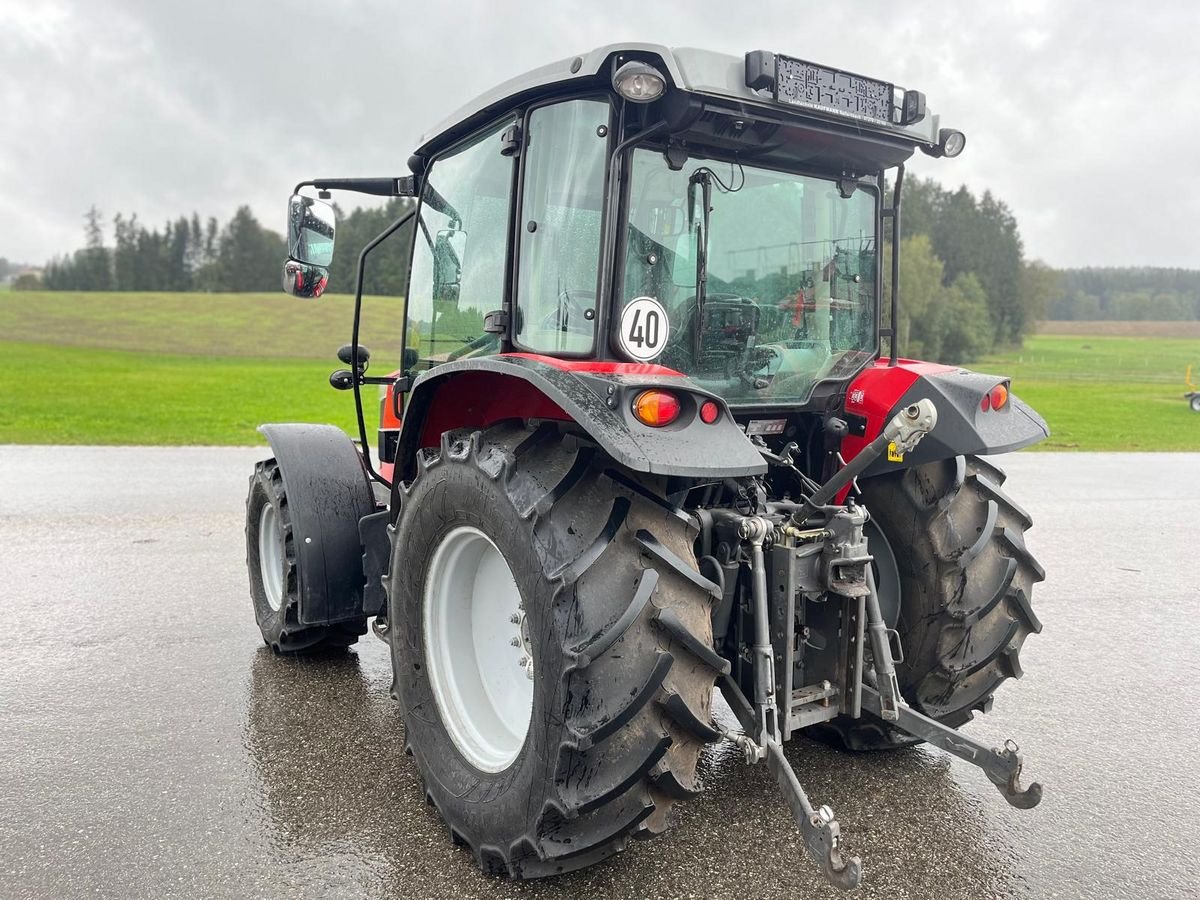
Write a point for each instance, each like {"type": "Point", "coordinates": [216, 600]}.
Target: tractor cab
{"type": "Point", "coordinates": [717, 216]}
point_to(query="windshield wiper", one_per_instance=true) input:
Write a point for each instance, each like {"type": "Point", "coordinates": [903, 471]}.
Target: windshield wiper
{"type": "Point", "coordinates": [701, 178]}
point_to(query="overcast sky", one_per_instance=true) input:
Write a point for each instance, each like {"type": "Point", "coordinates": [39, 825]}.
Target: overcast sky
{"type": "Point", "coordinates": [1083, 116]}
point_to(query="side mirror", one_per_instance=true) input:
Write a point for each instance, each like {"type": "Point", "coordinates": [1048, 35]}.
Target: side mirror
{"type": "Point", "coordinates": [310, 246]}
{"type": "Point", "coordinates": [303, 279]}
{"type": "Point", "coordinates": [310, 231]}
{"type": "Point", "coordinates": [448, 250]}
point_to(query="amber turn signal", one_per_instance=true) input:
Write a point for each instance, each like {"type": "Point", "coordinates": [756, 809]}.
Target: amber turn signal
{"type": "Point", "coordinates": [656, 408]}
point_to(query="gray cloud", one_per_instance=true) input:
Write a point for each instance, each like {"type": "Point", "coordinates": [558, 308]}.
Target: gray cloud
{"type": "Point", "coordinates": [1082, 116]}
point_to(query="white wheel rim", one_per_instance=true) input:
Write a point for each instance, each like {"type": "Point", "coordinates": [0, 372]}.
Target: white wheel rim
{"type": "Point", "coordinates": [477, 649]}
{"type": "Point", "coordinates": [270, 555]}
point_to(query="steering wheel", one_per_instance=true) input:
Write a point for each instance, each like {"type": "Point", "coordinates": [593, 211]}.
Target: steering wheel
{"type": "Point", "coordinates": [755, 370]}
{"type": "Point", "coordinates": [685, 314]}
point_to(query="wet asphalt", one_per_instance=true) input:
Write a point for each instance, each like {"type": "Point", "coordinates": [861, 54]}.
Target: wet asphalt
{"type": "Point", "coordinates": [151, 747]}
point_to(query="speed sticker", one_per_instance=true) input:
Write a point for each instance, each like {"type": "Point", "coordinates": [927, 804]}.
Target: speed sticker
{"type": "Point", "coordinates": [644, 328]}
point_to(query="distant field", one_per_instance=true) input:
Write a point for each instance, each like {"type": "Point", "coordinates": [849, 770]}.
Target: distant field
{"type": "Point", "coordinates": [146, 368]}
{"type": "Point", "coordinates": [1106, 393]}
{"type": "Point", "coordinates": [260, 325]}
{"type": "Point", "coordinates": [208, 368]}
{"type": "Point", "coordinates": [1123, 329]}
{"type": "Point", "coordinates": [74, 395]}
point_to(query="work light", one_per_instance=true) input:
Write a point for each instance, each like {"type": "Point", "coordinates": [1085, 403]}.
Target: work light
{"type": "Point", "coordinates": [952, 142]}
{"type": "Point", "coordinates": [639, 82]}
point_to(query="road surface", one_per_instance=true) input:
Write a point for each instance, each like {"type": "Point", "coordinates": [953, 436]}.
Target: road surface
{"type": "Point", "coordinates": [150, 746]}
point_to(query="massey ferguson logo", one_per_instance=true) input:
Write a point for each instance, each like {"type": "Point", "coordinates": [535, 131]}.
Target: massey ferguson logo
{"type": "Point", "coordinates": [856, 396]}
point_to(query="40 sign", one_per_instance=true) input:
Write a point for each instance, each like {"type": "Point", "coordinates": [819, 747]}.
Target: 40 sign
{"type": "Point", "coordinates": [644, 329]}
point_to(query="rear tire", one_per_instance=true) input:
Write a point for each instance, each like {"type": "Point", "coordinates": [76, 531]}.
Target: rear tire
{"type": "Point", "coordinates": [274, 580]}
{"type": "Point", "coordinates": [618, 623]}
{"type": "Point", "coordinates": [966, 579]}
{"type": "Point", "coordinates": [1195, 404]}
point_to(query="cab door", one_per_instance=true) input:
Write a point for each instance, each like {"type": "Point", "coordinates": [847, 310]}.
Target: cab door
{"type": "Point", "coordinates": [565, 149]}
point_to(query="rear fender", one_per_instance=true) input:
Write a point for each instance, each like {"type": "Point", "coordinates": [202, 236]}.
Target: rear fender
{"type": "Point", "coordinates": [963, 426]}
{"type": "Point", "coordinates": [597, 396]}
{"type": "Point", "coordinates": [328, 493]}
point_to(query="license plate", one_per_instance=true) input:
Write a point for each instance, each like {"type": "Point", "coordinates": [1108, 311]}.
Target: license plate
{"type": "Point", "coordinates": [766, 426]}
{"type": "Point", "coordinates": [832, 90]}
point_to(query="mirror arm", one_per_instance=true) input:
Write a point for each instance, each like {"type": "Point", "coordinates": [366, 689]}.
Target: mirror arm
{"type": "Point", "coordinates": [379, 187]}
{"type": "Point", "coordinates": [358, 290]}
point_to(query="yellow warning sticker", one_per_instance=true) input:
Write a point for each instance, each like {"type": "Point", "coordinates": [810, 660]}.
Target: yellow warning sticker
{"type": "Point", "coordinates": [894, 455]}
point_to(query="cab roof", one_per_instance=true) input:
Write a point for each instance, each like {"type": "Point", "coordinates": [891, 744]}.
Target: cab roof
{"type": "Point", "coordinates": [703, 73]}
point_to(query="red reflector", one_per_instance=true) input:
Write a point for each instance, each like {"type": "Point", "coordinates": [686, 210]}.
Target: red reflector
{"type": "Point", "coordinates": [986, 403]}
{"type": "Point", "coordinates": [709, 412]}
{"type": "Point", "coordinates": [998, 396]}
{"type": "Point", "coordinates": [656, 408]}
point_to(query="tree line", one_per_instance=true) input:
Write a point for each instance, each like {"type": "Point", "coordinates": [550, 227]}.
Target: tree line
{"type": "Point", "coordinates": [188, 254]}
{"type": "Point", "coordinates": [966, 286]}
{"type": "Point", "coordinates": [1132, 293]}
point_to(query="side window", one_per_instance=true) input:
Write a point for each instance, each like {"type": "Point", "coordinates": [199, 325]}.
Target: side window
{"type": "Point", "coordinates": [560, 235]}
{"type": "Point", "coordinates": [459, 254]}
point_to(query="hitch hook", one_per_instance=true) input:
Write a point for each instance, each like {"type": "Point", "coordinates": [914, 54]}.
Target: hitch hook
{"type": "Point", "coordinates": [1010, 787]}
{"type": "Point", "coordinates": [820, 829]}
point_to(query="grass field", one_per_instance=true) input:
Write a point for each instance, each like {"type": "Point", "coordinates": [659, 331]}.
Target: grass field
{"type": "Point", "coordinates": [57, 395]}
{"type": "Point", "coordinates": [101, 368]}
{"type": "Point", "coordinates": [273, 326]}
{"type": "Point", "coordinates": [1106, 393]}
{"type": "Point", "coordinates": [1122, 329]}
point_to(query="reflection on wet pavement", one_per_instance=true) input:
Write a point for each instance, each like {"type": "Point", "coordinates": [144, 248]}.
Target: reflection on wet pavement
{"type": "Point", "coordinates": [153, 747]}
{"type": "Point", "coordinates": [326, 744]}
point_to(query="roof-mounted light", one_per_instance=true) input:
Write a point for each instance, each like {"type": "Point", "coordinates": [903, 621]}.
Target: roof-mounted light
{"type": "Point", "coordinates": [639, 82]}
{"type": "Point", "coordinates": [950, 144]}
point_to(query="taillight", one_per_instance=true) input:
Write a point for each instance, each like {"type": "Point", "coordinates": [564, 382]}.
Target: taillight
{"type": "Point", "coordinates": [995, 398]}
{"type": "Point", "coordinates": [656, 408]}
{"type": "Point", "coordinates": [999, 396]}
{"type": "Point", "coordinates": [709, 412]}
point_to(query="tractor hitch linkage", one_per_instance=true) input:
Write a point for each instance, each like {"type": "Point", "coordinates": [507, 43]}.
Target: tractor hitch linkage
{"type": "Point", "coordinates": [855, 581]}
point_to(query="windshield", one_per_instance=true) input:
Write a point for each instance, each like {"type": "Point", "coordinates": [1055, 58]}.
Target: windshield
{"type": "Point", "coordinates": [785, 291]}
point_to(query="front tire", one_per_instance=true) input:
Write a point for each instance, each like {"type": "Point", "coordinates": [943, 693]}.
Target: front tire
{"type": "Point", "coordinates": [274, 577]}
{"type": "Point", "coordinates": [965, 579]}
{"type": "Point", "coordinates": [616, 620]}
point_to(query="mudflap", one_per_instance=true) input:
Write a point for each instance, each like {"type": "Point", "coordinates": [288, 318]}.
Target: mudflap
{"type": "Point", "coordinates": [328, 494]}
{"type": "Point", "coordinates": [373, 532]}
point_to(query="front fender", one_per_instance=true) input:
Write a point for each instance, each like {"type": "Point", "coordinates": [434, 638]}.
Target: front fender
{"type": "Point", "coordinates": [595, 395]}
{"type": "Point", "coordinates": [327, 494]}
{"type": "Point", "coordinates": [963, 427]}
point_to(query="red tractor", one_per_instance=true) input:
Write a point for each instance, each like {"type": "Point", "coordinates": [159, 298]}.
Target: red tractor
{"type": "Point", "coordinates": [644, 442]}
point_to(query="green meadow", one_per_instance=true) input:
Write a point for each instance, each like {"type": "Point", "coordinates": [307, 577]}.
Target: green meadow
{"type": "Point", "coordinates": [147, 368]}
{"type": "Point", "coordinates": [1106, 392]}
